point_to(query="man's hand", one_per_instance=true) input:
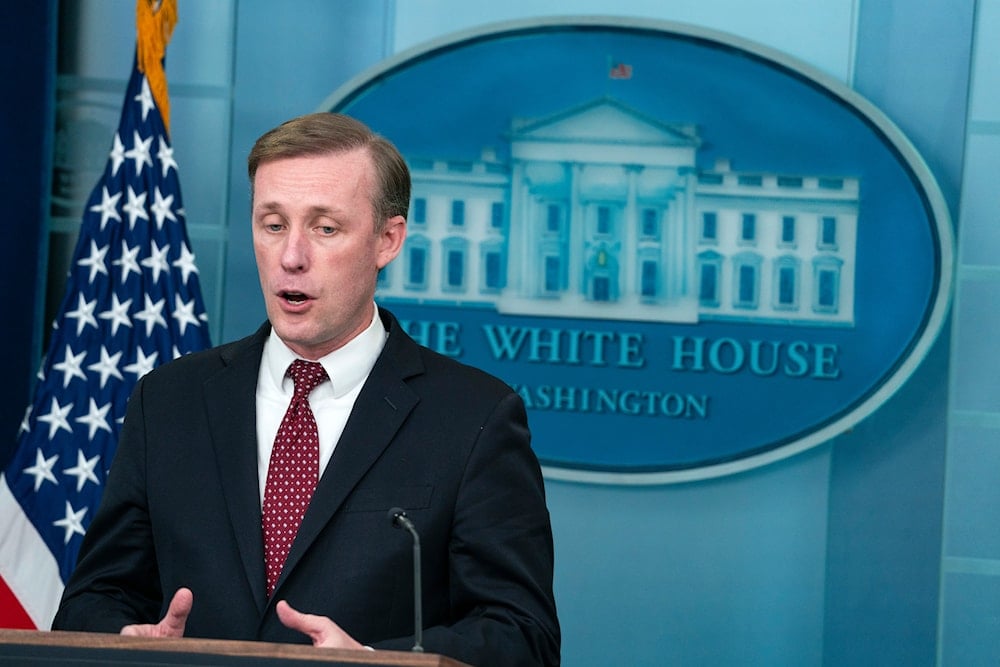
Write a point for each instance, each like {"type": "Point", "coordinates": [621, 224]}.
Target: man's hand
{"type": "Point", "coordinates": [172, 624]}
{"type": "Point", "coordinates": [320, 629]}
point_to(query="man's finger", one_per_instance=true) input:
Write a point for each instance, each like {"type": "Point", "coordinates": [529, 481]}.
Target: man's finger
{"type": "Point", "coordinates": [320, 629]}
{"type": "Point", "coordinates": [296, 620]}
{"type": "Point", "coordinates": [177, 614]}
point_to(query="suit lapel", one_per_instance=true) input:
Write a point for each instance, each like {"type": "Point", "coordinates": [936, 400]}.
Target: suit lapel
{"type": "Point", "coordinates": [230, 398]}
{"type": "Point", "coordinates": [381, 407]}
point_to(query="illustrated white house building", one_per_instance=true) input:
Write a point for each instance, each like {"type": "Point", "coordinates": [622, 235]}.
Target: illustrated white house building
{"type": "Point", "coordinates": [602, 212]}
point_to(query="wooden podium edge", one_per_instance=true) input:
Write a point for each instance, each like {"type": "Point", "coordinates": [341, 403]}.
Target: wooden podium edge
{"type": "Point", "coordinates": [226, 647]}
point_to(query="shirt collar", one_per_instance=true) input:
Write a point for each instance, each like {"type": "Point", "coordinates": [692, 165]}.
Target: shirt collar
{"type": "Point", "coordinates": [347, 366]}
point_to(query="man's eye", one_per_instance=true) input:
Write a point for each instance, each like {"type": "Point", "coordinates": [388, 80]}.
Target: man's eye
{"type": "Point", "coordinates": [326, 229]}
{"type": "Point", "coordinates": [274, 227]}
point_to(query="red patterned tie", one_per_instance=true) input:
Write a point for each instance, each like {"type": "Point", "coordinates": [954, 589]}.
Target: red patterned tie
{"type": "Point", "coordinates": [293, 471]}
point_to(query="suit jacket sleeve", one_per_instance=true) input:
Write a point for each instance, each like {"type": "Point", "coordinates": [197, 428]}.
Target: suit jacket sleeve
{"type": "Point", "coordinates": [116, 581]}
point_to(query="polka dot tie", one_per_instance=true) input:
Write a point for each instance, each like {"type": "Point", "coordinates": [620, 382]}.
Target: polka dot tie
{"type": "Point", "coordinates": [293, 471]}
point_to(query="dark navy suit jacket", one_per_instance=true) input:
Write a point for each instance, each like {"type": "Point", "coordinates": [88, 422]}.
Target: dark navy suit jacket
{"type": "Point", "coordinates": [446, 442]}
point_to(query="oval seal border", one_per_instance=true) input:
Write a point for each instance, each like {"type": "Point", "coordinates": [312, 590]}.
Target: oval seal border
{"type": "Point", "coordinates": [888, 133]}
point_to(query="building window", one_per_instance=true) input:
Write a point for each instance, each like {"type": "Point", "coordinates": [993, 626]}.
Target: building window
{"type": "Point", "coordinates": [650, 229]}
{"type": "Point", "coordinates": [748, 228]}
{"type": "Point", "coordinates": [827, 296]}
{"type": "Point", "coordinates": [458, 213]}
{"type": "Point", "coordinates": [708, 289]}
{"type": "Point", "coordinates": [455, 270]}
{"type": "Point", "coordinates": [417, 273]}
{"type": "Point", "coordinates": [492, 261]}
{"type": "Point", "coordinates": [786, 283]}
{"type": "Point", "coordinates": [553, 218]}
{"type": "Point", "coordinates": [747, 276]}
{"type": "Point", "coordinates": [709, 269]}
{"type": "Point", "coordinates": [420, 210]}
{"type": "Point", "coordinates": [552, 269]}
{"type": "Point", "coordinates": [602, 288]}
{"type": "Point", "coordinates": [647, 279]}
{"type": "Point", "coordinates": [493, 270]}
{"type": "Point", "coordinates": [496, 215]}
{"type": "Point", "coordinates": [747, 287]}
{"type": "Point", "coordinates": [603, 220]}
{"type": "Point", "coordinates": [786, 286]}
{"type": "Point", "coordinates": [788, 230]}
{"type": "Point", "coordinates": [828, 232]}
{"type": "Point", "coordinates": [709, 226]}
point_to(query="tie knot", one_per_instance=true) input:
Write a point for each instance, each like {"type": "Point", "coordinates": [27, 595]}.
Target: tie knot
{"type": "Point", "coordinates": [306, 375]}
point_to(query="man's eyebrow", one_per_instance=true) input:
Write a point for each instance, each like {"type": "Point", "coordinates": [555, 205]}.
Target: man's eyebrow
{"type": "Point", "coordinates": [268, 207]}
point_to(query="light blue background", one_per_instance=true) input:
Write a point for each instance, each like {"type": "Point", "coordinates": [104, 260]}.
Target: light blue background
{"type": "Point", "coordinates": [836, 556]}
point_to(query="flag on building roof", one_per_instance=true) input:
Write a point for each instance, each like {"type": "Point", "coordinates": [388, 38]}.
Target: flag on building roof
{"type": "Point", "coordinates": [618, 70]}
{"type": "Point", "coordinates": [132, 302]}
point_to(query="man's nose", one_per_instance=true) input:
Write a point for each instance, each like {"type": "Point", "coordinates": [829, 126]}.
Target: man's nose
{"type": "Point", "coordinates": [295, 253]}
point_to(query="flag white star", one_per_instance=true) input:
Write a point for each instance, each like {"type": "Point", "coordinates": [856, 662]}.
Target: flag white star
{"type": "Point", "coordinates": [143, 364]}
{"type": "Point", "coordinates": [25, 422]}
{"type": "Point", "coordinates": [95, 418]}
{"type": "Point", "coordinates": [152, 315]}
{"type": "Point", "coordinates": [128, 261]}
{"type": "Point", "coordinates": [135, 207]}
{"type": "Point", "coordinates": [161, 208]}
{"type": "Point", "coordinates": [184, 313]}
{"type": "Point", "coordinates": [70, 366]}
{"type": "Point", "coordinates": [107, 366]}
{"type": "Point", "coordinates": [140, 152]}
{"type": "Point", "coordinates": [166, 157]}
{"type": "Point", "coordinates": [56, 418]}
{"type": "Point", "coordinates": [185, 263]}
{"type": "Point", "coordinates": [95, 261]}
{"type": "Point", "coordinates": [84, 313]}
{"type": "Point", "coordinates": [42, 470]}
{"type": "Point", "coordinates": [145, 98]}
{"type": "Point", "coordinates": [84, 470]}
{"type": "Point", "coordinates": [157, 260]}
{"type": "Point", "coordinates": [72, 522]}
{"type": "Point", "coordinates": [108, 208]}
{"type": "Point", "coordinates": [117, 313]}
{"type": "Point", "coordinates": [117, 156]}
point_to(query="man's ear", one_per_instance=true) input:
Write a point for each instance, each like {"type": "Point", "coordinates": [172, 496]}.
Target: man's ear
{"type": "Point", "coordinates": [390, 241]}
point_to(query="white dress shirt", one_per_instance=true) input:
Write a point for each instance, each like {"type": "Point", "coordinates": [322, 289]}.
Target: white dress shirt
{"type": "Point", "coordinates": [331, 402]}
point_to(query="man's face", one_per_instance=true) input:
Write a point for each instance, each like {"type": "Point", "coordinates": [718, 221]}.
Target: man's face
{"type": "Point", "coordinates": [318, 255]}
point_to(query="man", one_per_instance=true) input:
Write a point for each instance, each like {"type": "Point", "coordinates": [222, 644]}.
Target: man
{"type": "Point", "coordinates": [178, 546]}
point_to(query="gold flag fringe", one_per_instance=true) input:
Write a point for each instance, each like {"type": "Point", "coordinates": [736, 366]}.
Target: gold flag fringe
{"type": "Point", "coordinates": [154, 23]}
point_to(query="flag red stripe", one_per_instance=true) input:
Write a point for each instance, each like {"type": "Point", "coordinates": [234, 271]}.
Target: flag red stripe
{"type": "Point", "coordinates": [12, 614]}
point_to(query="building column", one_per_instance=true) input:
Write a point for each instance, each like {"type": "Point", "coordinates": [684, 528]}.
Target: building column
{"type": "Point", "coordinates": [628, 255]}
{"type": "Point", "coordinates": [577, 224]}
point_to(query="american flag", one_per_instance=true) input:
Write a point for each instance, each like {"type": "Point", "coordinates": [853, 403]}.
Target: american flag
{"type": "Point", "coordinates": [619, 71]}
{"type": "Point", "coordinates": [132, 302]}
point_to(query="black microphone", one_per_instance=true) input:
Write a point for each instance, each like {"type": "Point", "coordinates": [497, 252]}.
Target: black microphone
{"type": "Point", "coordinates": [398, 519]}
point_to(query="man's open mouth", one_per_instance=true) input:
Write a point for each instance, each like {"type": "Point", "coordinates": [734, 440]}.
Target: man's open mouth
{"type": "Point", "coordinates": [294, 297]}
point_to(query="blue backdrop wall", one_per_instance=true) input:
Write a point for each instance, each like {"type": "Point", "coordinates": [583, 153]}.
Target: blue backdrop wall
{"type": "Point", "coordinates": [833, 556]}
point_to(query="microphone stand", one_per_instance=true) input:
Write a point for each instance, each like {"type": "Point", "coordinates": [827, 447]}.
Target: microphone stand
{"type": "Point", "coordinates": [399, 519]}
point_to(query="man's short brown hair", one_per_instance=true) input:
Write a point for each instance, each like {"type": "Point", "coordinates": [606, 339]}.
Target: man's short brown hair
{"type": "Point", "coordinates": [323, 133]}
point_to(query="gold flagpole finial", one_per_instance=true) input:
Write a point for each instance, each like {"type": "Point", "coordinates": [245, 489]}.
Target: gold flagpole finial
{"type": "Point", "coordinates": [154, 23]}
